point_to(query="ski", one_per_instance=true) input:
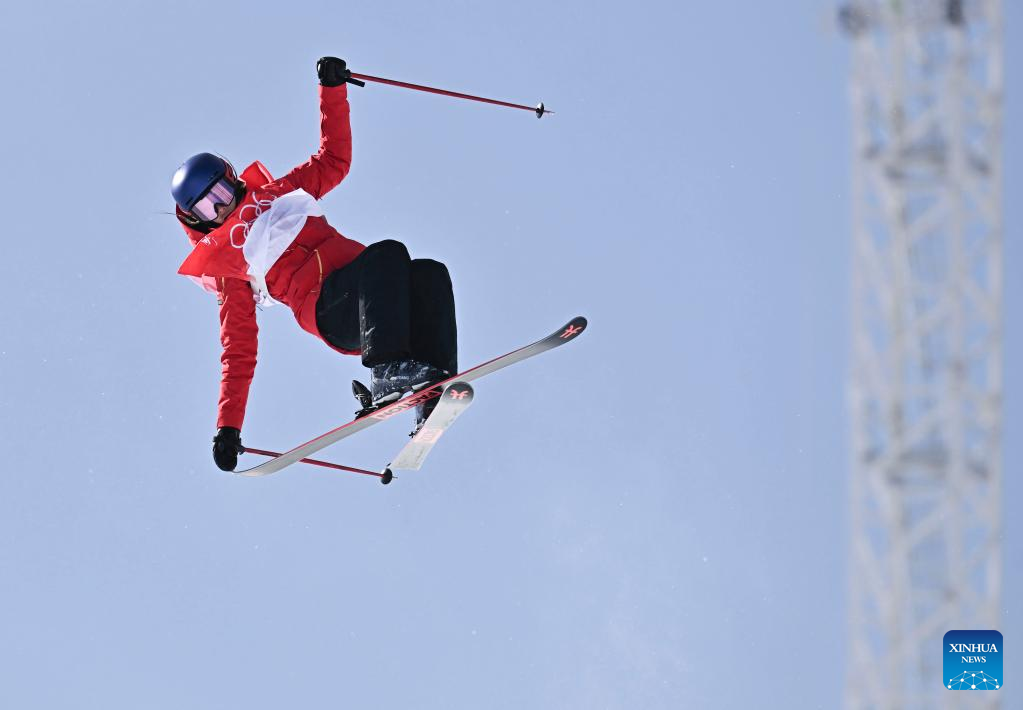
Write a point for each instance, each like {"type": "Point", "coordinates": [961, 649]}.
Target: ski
{"type": "Point", "coordinates": [456, 399]}
{"type": "Point", "coordinates": [570, 331]}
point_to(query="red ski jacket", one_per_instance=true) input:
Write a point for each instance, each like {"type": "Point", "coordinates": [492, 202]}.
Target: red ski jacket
{"type": "Point", "coordinates": [218, 260]}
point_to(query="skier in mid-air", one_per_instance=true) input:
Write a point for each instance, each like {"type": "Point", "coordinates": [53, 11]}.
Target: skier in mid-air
{"type": "Point", "coordinates": [260, 240]}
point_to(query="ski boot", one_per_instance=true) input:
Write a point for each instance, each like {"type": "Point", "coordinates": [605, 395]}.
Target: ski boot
{"type": "Point", "coordinates": [423, 412]}
{"type": "Point", "coordinates": [393, 379]}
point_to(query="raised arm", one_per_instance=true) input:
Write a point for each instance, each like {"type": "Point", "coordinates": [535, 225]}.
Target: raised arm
{"type": "Point", "coordinates": [330, 164]}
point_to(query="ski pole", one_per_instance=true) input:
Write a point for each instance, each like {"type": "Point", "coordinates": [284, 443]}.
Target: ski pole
{"type": "Point", "coordinates": [539, 109]}
{"type": "Point", "coordinates": [384, 477]}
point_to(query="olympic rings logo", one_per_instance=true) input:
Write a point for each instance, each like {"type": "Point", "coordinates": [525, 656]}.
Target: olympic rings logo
{"type": "Point", "coordinates": [248, 214]}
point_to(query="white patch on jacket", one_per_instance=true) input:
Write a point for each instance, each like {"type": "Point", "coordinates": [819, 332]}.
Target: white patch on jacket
{"type": "Point", "coordinates": [272, 233]}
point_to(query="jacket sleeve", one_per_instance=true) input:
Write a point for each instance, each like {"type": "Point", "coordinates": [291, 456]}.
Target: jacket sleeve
{"type": "Point", "coordinates": [328, 167]}
{"type": "Point", "coordinates": [238, 335]}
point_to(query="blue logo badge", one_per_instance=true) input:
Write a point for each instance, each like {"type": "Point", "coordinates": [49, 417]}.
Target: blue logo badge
{"type": "Point", "coordinates": [973, 660]}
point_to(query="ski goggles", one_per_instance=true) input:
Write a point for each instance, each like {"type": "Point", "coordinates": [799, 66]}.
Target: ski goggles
{"type": "Point", "coordinates": [221, 193]}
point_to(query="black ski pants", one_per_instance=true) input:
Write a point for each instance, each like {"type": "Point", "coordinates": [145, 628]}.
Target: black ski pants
{"type": "Point", "coordinates": [390, 307]}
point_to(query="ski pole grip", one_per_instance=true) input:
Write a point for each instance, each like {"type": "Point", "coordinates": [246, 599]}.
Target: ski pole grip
{"type": "Point", "coordinates": [350, 80]}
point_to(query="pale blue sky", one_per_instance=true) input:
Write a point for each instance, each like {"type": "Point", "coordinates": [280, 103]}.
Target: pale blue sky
{"type": "Point", "coordinates": [638, 520]}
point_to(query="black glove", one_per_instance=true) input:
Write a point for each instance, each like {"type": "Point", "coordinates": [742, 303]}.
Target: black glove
{"type": "Point", "coordinates": [227, 444]}
{"type": "Point", "coordinates": [332, 71]}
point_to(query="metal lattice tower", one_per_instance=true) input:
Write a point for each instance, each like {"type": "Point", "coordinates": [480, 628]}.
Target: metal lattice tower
{"type": "Point", "coordinates": [926, 379]}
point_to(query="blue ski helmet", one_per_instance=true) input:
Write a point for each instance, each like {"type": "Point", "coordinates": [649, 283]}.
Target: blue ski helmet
{"type": "Point", "coordinates": [197, 176]}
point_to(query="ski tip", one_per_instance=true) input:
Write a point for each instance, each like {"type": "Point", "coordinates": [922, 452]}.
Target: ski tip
{"type": "Point", "coordinates": [573, 328]}
{"type": "Point", "coordinates": [461, 391]}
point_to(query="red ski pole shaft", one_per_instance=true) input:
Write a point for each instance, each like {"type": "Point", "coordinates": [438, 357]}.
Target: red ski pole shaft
{"type": "Point", "coordinates": [315, 462]}
{"type": "Point", "coordinates": [539, 109]}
